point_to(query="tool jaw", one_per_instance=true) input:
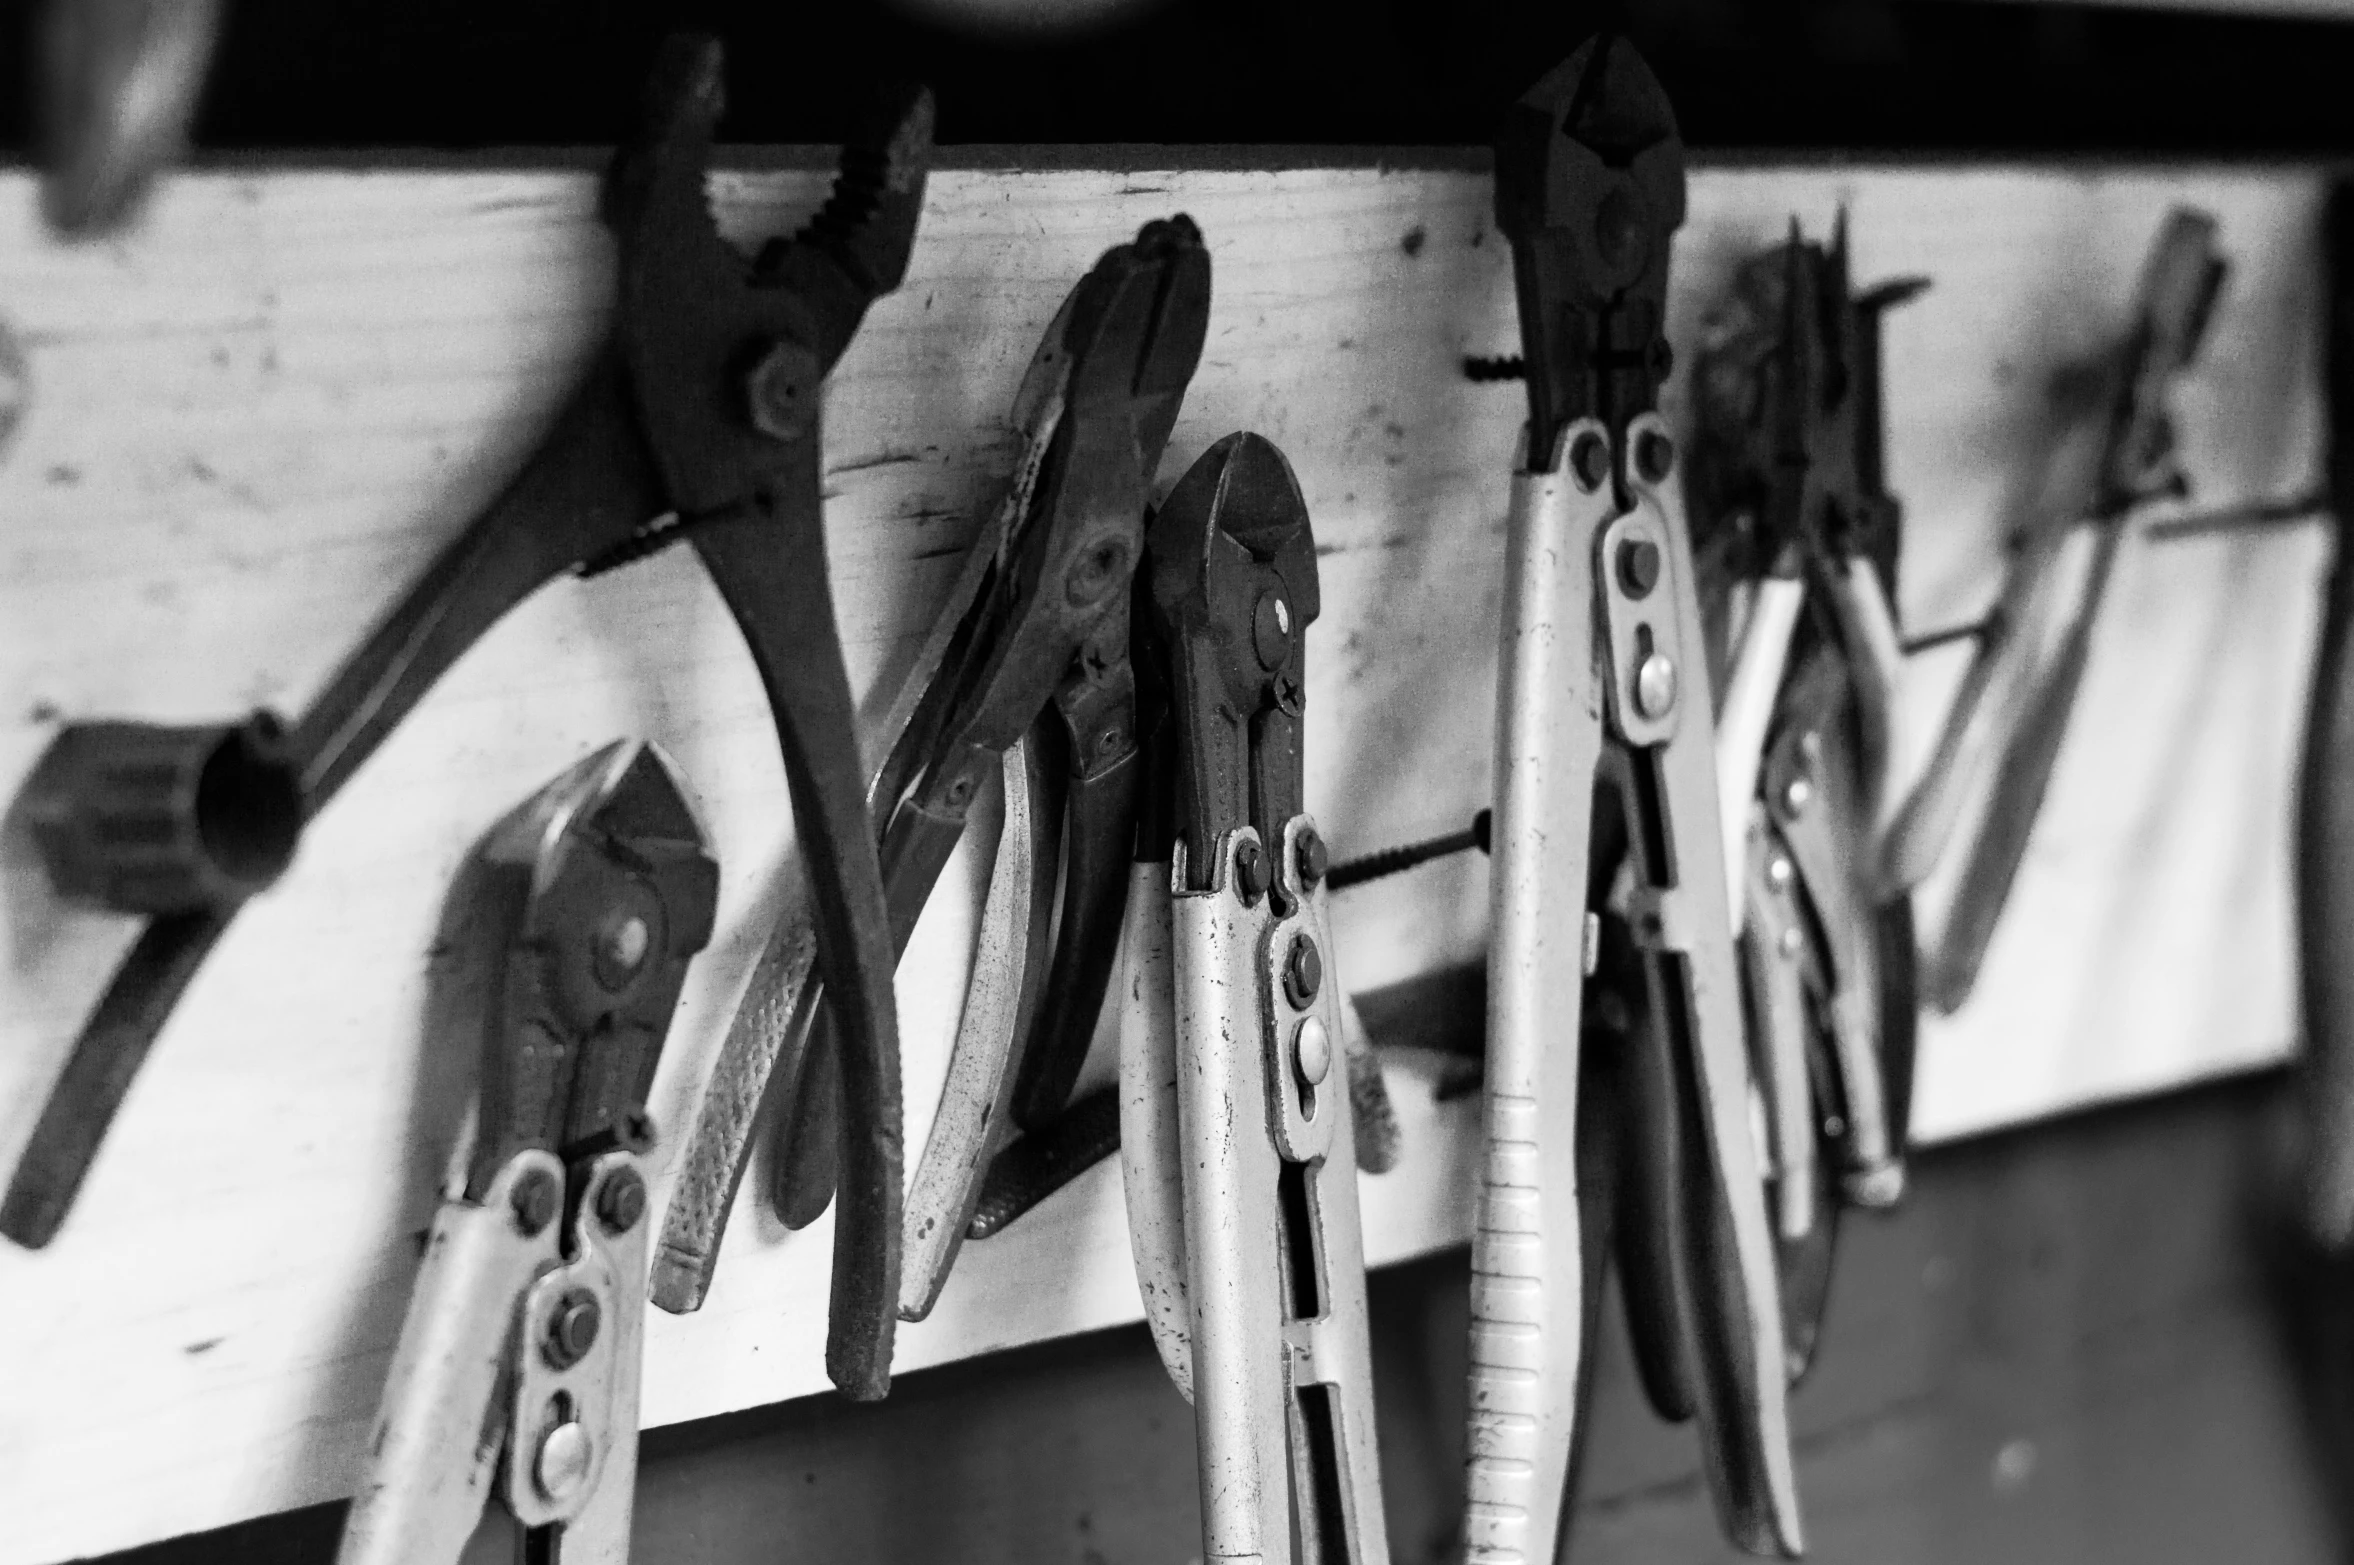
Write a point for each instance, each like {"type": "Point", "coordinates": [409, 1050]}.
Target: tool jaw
{"type": "Point", "coordinates": [728, 357]}
{"type": "Point", "coordinates": [607, 890]}
{"type": "Point", "coordinates": [1234, 587]}
{"type": "Point", "coordinates": [1590, 190]}
{"type": "Point", "coordinates": [2180, 283]}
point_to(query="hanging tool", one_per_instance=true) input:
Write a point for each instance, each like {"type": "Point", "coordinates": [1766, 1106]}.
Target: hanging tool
{"type": "Point", "coordinates": [1789, 475]}
{"type": "Point", "coordinates": [698, 421]}
{"type": "Point", "coordinates": [1035, 644]}
{"type": "Point", "coordinates": [116, 87]}
{"type": "Point", "coordinates": [1238, 1134]}
{"type": "Point", "coordinates": [2035, 644]}
{"type": "Point", "coordinates": [1602, 651]}
{"type": "Point", "coordinates": [517, 1369]}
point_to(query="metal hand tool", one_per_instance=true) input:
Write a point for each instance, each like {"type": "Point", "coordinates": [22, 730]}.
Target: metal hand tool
{"type": "Point", "coordinates": [702, 413]}
{"type": "Point", "coordinates": [1789, 477]}
{"type": "Point", "coordinates": [517, 1370]}
{"type": "Point", "coordinates": [1035, 644]}
{"type": "Point", "coordinates": [1238, 1134]}
{"type": "Point", "coordinates": [116, 89]}
{"type": "Point", "coordinates": [1602, 649]}
{"type": "Point", "coordinates": [2020, 737]}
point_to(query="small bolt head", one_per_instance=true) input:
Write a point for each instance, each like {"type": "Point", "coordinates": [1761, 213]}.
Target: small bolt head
{"type": "Point", "coordinates": [1250, 871]}
{"type": "Point", "coordinates": [1314, 858]}
{"type": "Point", "coordinates": [622, 1203]}
{"type": "Point", "coordinates": [565, 1456]}
{"type": "Point", "coordinates": [1778, 871]}
{"type": "Point", "coordinates": [1303, 973]}
{"type": "Point", "coordinates": [1789, 943]}
{"type": "Point", "coordinates": [1638, 567]}
{"type": "Point", "coordinates": [1271, 629]}
{"type": "Point", "coordinates": [622, 943]}
{"type": "Point", "coordinates": [782, 391]}
{"type": "Point", "coordinates": [1312, 1052]}
{"type": "Point", "coordinates": [534, 1202]}
{"type": "Point", "coordinates": [1655, 686]}
{"type": "Point", "coordinates": [1655, 456]}
{"type": "Point", "coordinates": [1798, 795]}
{"type": "Point", "coordinates": [572, 1329]}
{"type": "Point", "coordinates": [1589, 461]}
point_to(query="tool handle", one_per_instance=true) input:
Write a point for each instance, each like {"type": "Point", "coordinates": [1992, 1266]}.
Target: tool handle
{"type": "Point", "coordinates": [1527, 1305]}
{"type": "Point", "coordinates": [430, 1467]}
{"type": "Point", "coordinates": [974, 1113]}
{"type": "Point", "coordinates": [1098, 842]}
{"type": "Point", "coordinates": [2023, 774]}
{"type": "Point", "coordinates": [1747, 712]}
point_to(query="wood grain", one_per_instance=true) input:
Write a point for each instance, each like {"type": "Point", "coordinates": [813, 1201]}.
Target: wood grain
{"type": "Point", "coordinates": [253, 422]}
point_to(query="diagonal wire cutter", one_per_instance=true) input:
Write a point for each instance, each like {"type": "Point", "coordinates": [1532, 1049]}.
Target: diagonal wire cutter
{"type": "Point", "coordinates": [517, 1369]}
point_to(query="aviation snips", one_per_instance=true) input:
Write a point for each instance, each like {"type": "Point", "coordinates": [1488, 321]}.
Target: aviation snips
{"type": "Point", "coordinates": [517, 1370]}
{"type": "Point", "coordinates": [1604, 678]}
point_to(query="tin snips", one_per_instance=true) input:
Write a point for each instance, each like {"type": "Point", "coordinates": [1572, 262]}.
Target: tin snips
{"type": "Point", "coordinates": [517, 1369]}
{"type": "Point", "coordinates": [1604, 681]}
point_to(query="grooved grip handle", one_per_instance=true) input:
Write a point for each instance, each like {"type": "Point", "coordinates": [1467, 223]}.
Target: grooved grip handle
{"type": "Point", "coordinates": [143, 818]}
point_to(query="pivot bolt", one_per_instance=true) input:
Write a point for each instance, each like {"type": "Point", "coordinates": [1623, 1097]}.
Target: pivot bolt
{"type": "Point", "coordinates": [1778, 871]}
{"type": "Point", "coordinates": [1589, 461]}
{"type": "Point", "coordinates": [1312, 1052]}
{"type": "Point", "coordinates": [1303, 974]}
{"type": "Point", "coordinates": [1655, 686]}
{"type": "Point", "coordinates": [1271, 629]}
{"type": "Point", "coordinates": [1655, 455]}
{"type": "Point", "coordinates": [783, 391]}
{"type": "Point", "coordinates": [1638, 567]}
{"type": "Point", "coordinates": [621, 949]}
{"type": "Point", "coordinates": [622, 1202]}
{"type": "Point", "coordinates": [1798, 795]}
{"type": "Point", "coordinates": [534, 1202]}
{"type": "Point", "coordinates": [564, 1460]}
{"type": "Point", "coordinates": [1790, 941]}
{"type": "Point", "coordinates": [1314, 858]}
{"type": "Point", "coordinates": [572, 1330]}
{"type": "Point", "coordinates": [1250, 871]}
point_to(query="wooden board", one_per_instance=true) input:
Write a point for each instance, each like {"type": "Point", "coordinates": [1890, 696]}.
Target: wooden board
{"type": "Point", "coordinates": [252, 423]}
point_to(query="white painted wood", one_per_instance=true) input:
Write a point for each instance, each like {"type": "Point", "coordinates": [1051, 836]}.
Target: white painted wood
{"type": "Point", "coordinates": [254, 421]}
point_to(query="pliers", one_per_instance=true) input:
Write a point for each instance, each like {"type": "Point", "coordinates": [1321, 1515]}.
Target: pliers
{"type": "Point", "coordinates": [1788, 477]}
{"type": "Point", "coordinates": [2012, 711]}
{"type": "Point", "coordinates": [1603, 658]}
{"type": "Point", "coordinates": [517, 1369]}
{"type": "Point", "coordinates": [1028, 674]}
{"type": "Point", "coordinates": [1238, 1133]}
{"type": "Point", "coordinates": [697, 421]}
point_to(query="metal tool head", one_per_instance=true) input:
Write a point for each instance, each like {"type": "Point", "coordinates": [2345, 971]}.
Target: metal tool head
{"type": "Point", "coordinates": [1234, 590]}
{"type": "Point", "coordinates": [613, 889]}
{"type": "Point", "coordinates": [1788, 435]}
{"type": "Point", "coordinates": [2180, 282]}
{"type": "Point", "coordinates": [729, 355]}
{"type": "Point", "coordinates": [119, 82]}
{"type": "Point", "coordinates": [1589, 189]}
{"type": "Point", "coordinates": [1132, 335]}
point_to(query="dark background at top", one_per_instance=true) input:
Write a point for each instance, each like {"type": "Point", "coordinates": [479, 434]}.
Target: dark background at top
{"type": "Point", "coordinates": [1853, 75]}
